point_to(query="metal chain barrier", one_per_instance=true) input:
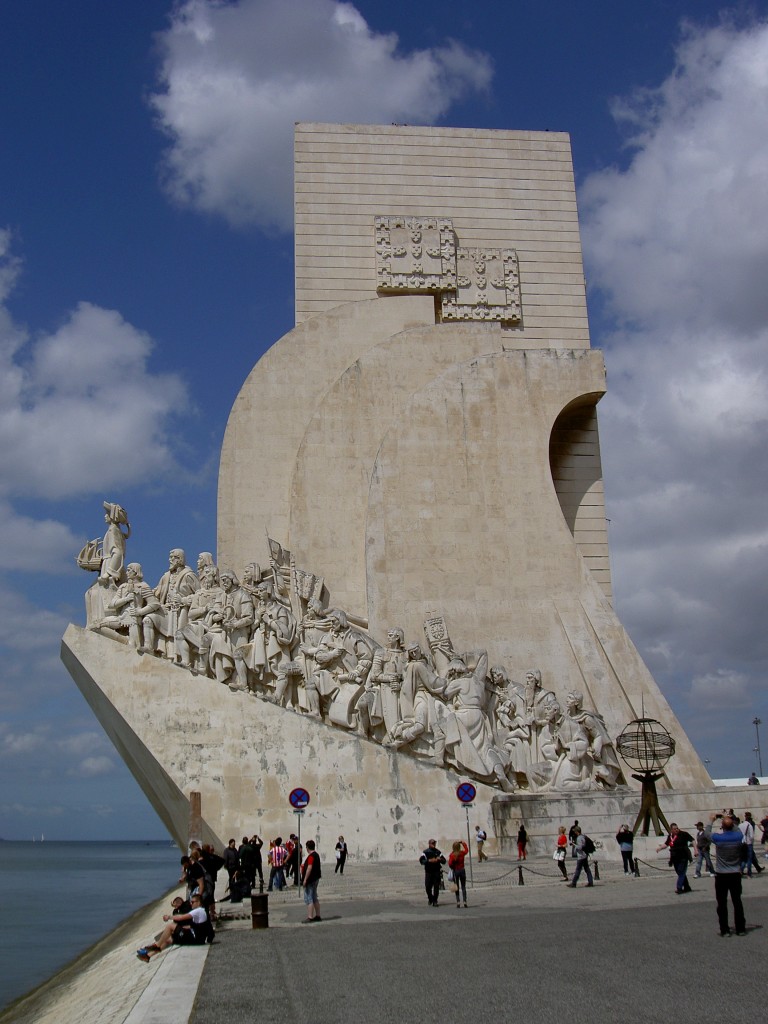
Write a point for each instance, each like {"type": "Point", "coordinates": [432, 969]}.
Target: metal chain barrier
{"type": "Point", "coordinates": [645, 863]}
{"type": "Point", "coordinates": [519, 868]}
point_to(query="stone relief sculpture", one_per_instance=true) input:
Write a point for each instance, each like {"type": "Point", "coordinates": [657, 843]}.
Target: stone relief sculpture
{"type": "Point", "coordinates": [201, 644]}
{"type": "Point", "coordinates": [420, 725]}
{"type": "Point", "coordinates": [276, 637]}
{"type": "Point", "coordinates": [601, 749]}
{"type": "Point", "coordinates": [420, 255]}
{"type": "Point", "coordinates": [415, 254]}
{"type": "Point", "coordinates": [487, 286]}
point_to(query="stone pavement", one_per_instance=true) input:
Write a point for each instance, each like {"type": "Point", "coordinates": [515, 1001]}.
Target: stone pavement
{"type": "Point", "coordinates": [628, 950]}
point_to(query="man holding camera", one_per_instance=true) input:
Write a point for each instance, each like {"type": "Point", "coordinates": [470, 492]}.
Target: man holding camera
{"type": "Point", "coordinates": [727, 843]}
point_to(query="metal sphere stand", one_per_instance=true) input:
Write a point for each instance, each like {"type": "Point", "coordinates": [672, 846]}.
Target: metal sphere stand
{"type": "Point", "coordinates": [646, 746]}
{"type": "Point", "coordinates": [650, 811]}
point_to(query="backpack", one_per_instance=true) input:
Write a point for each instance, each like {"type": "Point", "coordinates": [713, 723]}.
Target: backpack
{"type": "Point", "coordinates": [589, 846]}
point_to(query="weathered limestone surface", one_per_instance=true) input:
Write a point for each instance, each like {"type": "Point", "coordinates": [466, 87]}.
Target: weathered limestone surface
{"type": "Point", "coordinates": [337, 456]}
{"type": "Point", "coordinates": [180, 734]}
{"type": "Point", "coordinates": [273, 409]}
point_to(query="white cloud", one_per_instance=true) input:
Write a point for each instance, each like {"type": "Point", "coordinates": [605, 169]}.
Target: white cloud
{"type": "Point", "coordinates": [92, 767]}
{"type": "Point", "coordinates": [82, 743]}
{"type": "Point", "coordinates": [677, 248]}
{"type": "Point", "coordinates": [35, 545]}
{"type": "Point", "coordinates": [719, 690]}
{"type": "Point", "coordinates": [47, 752]}
{"type": "Point", "coordinates": [85, 745]}
{"type": "Point", "coordinates": [236, 76]}
{"type": "Point", "coordinates": [683, 226]}
{"type": "Point", "coordinates": [80, 410]}
{"type": "Point", "coordinates": [28, 629]}
{"type": "Point", "coordinates": [15, 743]}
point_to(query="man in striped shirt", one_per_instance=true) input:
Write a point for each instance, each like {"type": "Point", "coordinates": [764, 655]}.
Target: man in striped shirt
{"type": "Point", "coordinates": [278, 855]}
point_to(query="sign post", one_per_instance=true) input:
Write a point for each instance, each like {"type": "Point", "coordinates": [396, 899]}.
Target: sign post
{"type": "Point", "coordinates": [466, 793]}
{"type": "Point", "coordinates": [298, 799]}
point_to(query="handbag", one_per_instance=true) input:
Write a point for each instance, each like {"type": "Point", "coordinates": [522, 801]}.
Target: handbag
{"type": "Point", "coordinates": [451, 876]}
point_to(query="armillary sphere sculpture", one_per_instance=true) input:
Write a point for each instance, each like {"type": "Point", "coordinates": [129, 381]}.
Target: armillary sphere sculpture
{"type": "Point", "coordinates": [646, 746]}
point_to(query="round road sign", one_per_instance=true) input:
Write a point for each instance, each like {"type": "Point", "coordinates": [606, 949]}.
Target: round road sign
{"type": "Point", "coordinates": [298, 798]}
{"type": "Point", "coordinates": [466, 792]}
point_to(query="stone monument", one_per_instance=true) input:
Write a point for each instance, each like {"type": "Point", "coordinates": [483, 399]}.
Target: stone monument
{"type": "Point", "coordinates": [412, 584]}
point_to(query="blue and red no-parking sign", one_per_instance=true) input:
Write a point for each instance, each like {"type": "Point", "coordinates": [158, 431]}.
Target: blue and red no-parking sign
{"type": "Point", "coordinates": [466, 792]}
{"type": "Point", "coordinates": [298, 798]}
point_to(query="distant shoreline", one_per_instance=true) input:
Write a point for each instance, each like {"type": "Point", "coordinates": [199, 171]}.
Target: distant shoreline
{"type": "Point", "coordinates": [28, 1008]}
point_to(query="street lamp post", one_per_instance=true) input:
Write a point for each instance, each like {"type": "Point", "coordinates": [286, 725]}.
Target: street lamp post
{"type": "Point", "coordinates": [757, 722]}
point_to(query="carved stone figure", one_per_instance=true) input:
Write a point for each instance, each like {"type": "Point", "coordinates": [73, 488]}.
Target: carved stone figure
{"type": "Point", "coordinates": [238, 620]}
{"type": "Point", "coordinates": [343, 658]}
{"type": "Point", "coordinates": [251, 578]}
{"type": "Point", "coordinates": [312, 629]}
{"type": "Point", "coordinates": [113, 545]}
{"type": "Point", "coordinates": [379, 704]}
{"type": "Point", "coordinates": [204, 560]}
{"type": "Point", "coordinates": [535, 700]}
{"type": "Point", "coordinates": [607, 770]}
{"type": "Point", "coordinates": [516, 732]}
{"type": "Point", "coordinates": [564, 745]}
{"type": "Point", "coordinates": [133, 600]}
{"type": "Point", "coordinates": [468, 735]}
{"type": "Point", "coordinates": [421, 709]}
{"type": "Point", "coordinates": [202, 644]}
{"type": "Point", "coordinates": [107, 557]}
{"type": "Point", "coordinates": [174, 592]}
{"type": "Point", "coordinates": [274, 632]}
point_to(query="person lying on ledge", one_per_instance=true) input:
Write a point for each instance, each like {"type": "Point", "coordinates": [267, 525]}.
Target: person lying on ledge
{"type": "Point", "coordinates": [192, 929]}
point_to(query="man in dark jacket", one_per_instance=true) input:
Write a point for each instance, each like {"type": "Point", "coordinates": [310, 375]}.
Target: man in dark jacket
{"type": "Point", "coordinates": [247, 856]}
{"type": "Point", "coordinates": [257, 842]}
{"type": "Point", "coordinates": [432, 859]}
{"type": "Point", "coordinates": [231, 860]}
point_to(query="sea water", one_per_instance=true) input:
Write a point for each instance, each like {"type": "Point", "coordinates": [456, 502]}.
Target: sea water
{"type": "Point", "coordinates": [58, 898]}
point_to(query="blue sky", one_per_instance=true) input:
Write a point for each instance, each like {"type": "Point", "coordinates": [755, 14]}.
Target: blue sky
{"type": "Point", "coordinates": [146, 263]}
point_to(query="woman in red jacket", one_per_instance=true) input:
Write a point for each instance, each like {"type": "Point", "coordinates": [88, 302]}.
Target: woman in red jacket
{"type": "Point", "coordinates": [459, 851]}
{"type": "Point", "coordinates": [560, 849]}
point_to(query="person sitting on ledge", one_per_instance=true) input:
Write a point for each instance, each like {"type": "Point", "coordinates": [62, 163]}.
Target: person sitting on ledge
{"type": "Point", "coordinates": [192, 929]}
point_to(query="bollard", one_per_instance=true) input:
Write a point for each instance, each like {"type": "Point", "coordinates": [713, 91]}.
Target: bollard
{"type": "Point", "coordinates": [637, 868]}
{"type": "Point", "coordinates": [597, 870]}
{"type": "Point", "coordinates": [259, 909]}
{"type": "Point", "coordinates": [520, 879]}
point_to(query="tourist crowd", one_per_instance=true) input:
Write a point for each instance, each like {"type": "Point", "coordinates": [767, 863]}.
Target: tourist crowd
{"type": "Point", "coordinates": [191, 920]}
{"type": "Point", "coordinates": [732, 839]}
